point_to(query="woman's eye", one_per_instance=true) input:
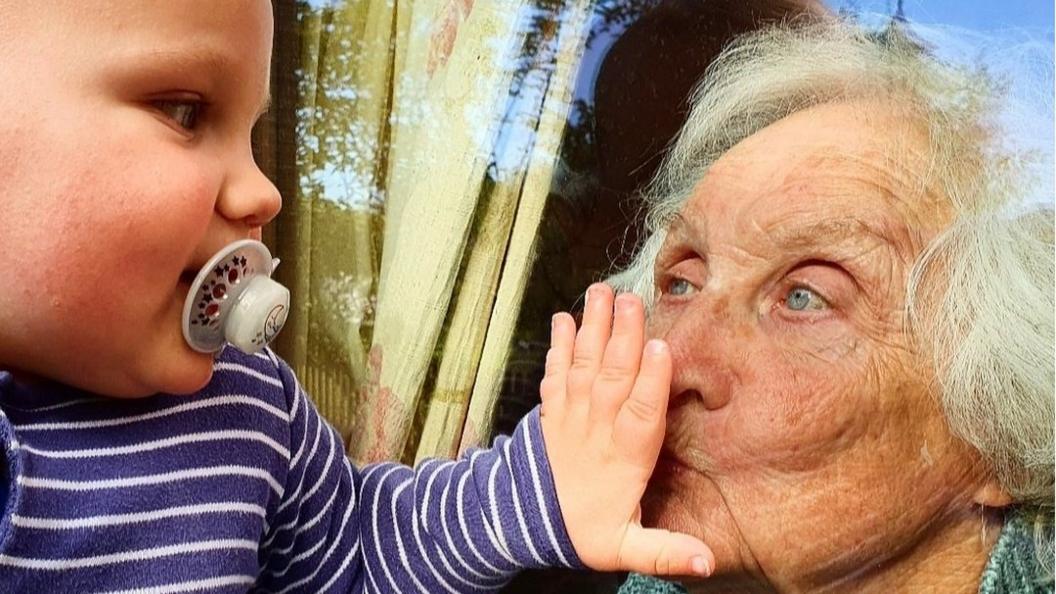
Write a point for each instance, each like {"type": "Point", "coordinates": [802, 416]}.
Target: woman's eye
{"type": "Point", "coordinates": [803, 299]}
{"type": "Point", "coordinates": [679, 286]}
{"type": "Point", "coordinates": [185, 113]}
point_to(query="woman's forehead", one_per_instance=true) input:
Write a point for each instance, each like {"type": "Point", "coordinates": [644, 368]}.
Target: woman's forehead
{"type": "Point", "coordinates": [828, 170]}
{"type": "Point", "coordinates": [854, 141]}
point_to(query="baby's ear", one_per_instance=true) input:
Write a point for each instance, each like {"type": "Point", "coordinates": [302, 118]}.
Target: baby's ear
{"type": "Point", "coordinates": [991, 494]}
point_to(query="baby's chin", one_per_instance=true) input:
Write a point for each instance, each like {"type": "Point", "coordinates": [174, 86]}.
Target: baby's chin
{"type": "Point", "coordinates": [186, 378]}
{"type": "Point", "coordinates": [186, 373]}
{"type": "Point", "coordinates": [167, 364]}
{"type": "Point", "coordinates": [169, 368]}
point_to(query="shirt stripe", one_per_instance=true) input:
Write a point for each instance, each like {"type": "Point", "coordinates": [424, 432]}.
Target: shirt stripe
{"type": "Point", "coordinates": [244, 487]}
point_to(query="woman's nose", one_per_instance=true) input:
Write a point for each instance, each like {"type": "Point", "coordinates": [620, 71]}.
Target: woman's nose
{"type": "Point", "coordinates": [703, 350]}
{"type": "Point", "coordinates": [249, 196]}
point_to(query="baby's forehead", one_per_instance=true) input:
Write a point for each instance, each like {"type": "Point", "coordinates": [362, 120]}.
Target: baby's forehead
{"type": "Point", "coordinates": [198, 46]}
{"type": "Point", "coordinates": [119, 26]}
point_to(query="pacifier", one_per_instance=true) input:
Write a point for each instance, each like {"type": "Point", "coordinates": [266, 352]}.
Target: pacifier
{"type": "Point", "coordinates": [234, 300]}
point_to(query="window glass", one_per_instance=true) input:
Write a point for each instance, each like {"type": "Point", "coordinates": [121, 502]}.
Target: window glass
{"type": "Point", "coordinates": [457, 171]}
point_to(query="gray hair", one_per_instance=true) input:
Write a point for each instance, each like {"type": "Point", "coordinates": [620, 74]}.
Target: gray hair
{"type": "Point", "coordinates": [980, 295]}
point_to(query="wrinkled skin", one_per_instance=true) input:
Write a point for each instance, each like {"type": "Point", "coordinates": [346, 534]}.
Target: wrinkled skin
{"type": "Point", "coordinates": [803, 444]}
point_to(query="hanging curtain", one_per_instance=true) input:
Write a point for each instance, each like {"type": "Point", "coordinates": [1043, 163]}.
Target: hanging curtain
{"type": "Point", "coordinates": [423, 135]}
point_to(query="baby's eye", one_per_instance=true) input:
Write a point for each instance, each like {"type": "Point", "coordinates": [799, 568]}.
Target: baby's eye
{"type": "Point", "coordinates": [678, 286]}
{"type": "Point", "coordinates": [803, 299]}
{"type": "Point", "coordinates": [184, 112]}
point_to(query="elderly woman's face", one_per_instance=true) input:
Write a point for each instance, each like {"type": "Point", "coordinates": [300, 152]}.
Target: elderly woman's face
{"type": "Point", "coordinates": [803, 444]}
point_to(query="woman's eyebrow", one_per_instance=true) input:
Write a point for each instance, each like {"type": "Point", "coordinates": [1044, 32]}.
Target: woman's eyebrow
{"type": "Point", "coordinates": [828, 231]}
{"type": "Point", "coordinates": [682, 229]}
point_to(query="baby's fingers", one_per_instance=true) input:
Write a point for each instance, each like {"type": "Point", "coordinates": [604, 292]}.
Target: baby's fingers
{"type": "Point", "coordinates": [590, 343]}
{"type": "Point", "coordinates": [622, 360]}
{"type": "Point", "coordinates": [660, 552]}
{"type": "Point", "coordinates": [558, 360]}
{"type": "Point", "coordinates": [640, 422]}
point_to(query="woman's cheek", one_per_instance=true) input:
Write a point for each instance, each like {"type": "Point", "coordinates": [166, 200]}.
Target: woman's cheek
{"type": "Point", "coordinates": [656, 324]}
{"type": "Point", "coordinates": [781, 420]}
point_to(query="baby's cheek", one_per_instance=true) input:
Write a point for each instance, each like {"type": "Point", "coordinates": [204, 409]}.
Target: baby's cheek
{"type": "Point", "coordinates": [198, 188]}
{"type": "Point", "coordinates": [167, 189]}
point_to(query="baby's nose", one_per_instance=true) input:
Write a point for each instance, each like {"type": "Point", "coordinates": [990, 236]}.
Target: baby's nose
{"type": "Point", "coordinates": [249, 197]}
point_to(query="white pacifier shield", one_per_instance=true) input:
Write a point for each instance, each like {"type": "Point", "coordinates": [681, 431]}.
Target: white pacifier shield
{"type": "Point", "coordinates": [233, 299]}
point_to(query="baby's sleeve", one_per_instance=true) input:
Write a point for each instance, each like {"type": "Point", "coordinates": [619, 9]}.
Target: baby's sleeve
{"type": "Point", "coordinates": [466, 525]}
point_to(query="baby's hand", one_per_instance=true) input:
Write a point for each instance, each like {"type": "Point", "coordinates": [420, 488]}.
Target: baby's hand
{"type": "Point", "coordinates": [603, 417]}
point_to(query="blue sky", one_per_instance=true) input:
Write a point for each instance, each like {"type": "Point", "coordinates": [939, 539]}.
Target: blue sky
{"type": "Point", "coordinates": [980, 15]}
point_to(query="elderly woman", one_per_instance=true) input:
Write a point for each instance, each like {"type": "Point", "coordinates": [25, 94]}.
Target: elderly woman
{"type": "Point", "coordinates": [860, 307]}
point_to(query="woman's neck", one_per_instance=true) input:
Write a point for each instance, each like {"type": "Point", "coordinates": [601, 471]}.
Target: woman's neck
{"type": "Point", "coordinates": [949, 559]}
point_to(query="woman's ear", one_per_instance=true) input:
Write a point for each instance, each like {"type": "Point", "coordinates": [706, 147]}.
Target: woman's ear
{"type": "Point", "coordinates": [991, 494]}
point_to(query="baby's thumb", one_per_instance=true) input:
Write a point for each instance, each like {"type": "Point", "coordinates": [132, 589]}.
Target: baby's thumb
{"type": "Point", "coordinates": [661, 552]}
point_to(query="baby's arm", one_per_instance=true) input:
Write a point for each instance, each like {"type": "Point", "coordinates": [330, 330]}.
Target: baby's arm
{"type": "Point", "coordinates": [469, 525]}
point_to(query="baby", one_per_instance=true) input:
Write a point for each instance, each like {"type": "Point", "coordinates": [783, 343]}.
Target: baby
{"type": "Point", "coordinates": [135, 463]}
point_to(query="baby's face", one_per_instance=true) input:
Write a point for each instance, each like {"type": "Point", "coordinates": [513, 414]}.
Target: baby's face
{"type": "Point", "coordinates": [125, 163]}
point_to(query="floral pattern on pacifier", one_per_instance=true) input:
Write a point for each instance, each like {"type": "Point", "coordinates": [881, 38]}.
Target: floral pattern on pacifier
{"type": "Point", "coordinates": [215, 291]}
{"type": "Point", "coordinates": [233, 299]}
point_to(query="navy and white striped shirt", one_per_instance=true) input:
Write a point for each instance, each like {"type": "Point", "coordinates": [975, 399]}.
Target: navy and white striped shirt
{"type": "Point", "coordinates": [243, 487]}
